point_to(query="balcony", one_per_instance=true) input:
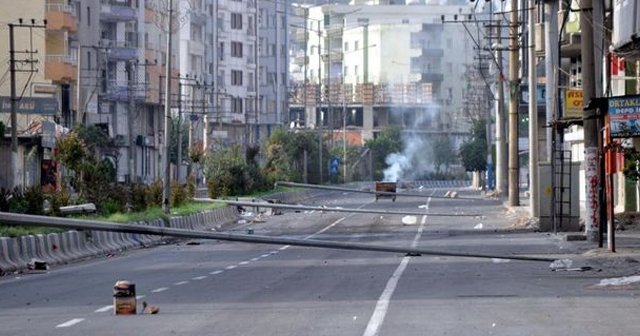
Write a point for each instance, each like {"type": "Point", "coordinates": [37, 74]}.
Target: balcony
{"type": "Point", "coordinates": [301, 35]}
{"type": "Point", "coordinates": [432, 27]}
{"type": "Point", "coordinates": [198, 18]}
{"type": "Point", "coordinates": [432, 52]}
{"type": "Point", "coordinates": [117, 11]}
{"type": "Point", "coordinates": [431, 77]}
{"type": "Point", "coordinates": [61, 17]}
{"type": "Point", "coordinates": [60, 68]}
{"type": "Point", "coordinates": [119, 91]}
{"type": "Point", "coordinates": [301, 58]}
{"type": "Point", "coordinates": [121, 50]}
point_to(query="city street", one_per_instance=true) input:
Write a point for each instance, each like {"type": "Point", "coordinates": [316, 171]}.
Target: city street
{"type": "Point", "coordinates": [222, 288]}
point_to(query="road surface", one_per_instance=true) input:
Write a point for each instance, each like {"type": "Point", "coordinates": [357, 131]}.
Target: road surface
{"type": "Point", "coordinates": [222, 288]}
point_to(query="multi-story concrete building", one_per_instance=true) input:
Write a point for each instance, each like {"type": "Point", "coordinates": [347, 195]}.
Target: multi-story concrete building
{"type": "Point", "coordinates": [386, 64]}
{"type": "Point", "coordinates": [273, 51]}
{"type": "Point", "coordinates": [45, 82]}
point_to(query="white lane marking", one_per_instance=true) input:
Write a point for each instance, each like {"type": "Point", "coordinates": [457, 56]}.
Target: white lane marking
{"type": "Point", "coordinates": [382, 306]}
{"type": "Point", "coordinates": [255, 259]}
{"type": "Point", "coordinates": [216, 272]}
{"type": "Point", "coordinates": [70, 323]}
{"type": "Point", "coordinates": [285, 247]}
{"type": "Point", "coordinates": [158, 290]}
{"type": "Point", "coordinates": [103, 309]}
{"type": "Point", "coordinates": [202, 277]}
{"type": "Point", "coordinates": [231, 267]}
{"type": "Point", "coordinates": [243, 262]}
{"type": "Point", "coordinates": [326, 228]}
{"type": "Point", "coordinates": [140, 297]}
{"type": "Point", "coordinates": [264, 255]}
{"type": "Point", "coordinates": [181, 283]}
{"type": "Point", "coordinates": [373, 327]}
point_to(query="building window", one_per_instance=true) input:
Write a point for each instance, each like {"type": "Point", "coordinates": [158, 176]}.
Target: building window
{"type": "Point", "coordinates": [250, 82]}
{"type": "Point", "coordinates": [346, 46]}
{"type": "Point", "coordinates": [346, 71]}
{"type": "Point", "coordinates": [88, 16]}
{"type": "Point", "coordinates": [356, 45]}
{"type": "Point", "coordinates": [236, 49]}
{"type": "Point", "coordinates": [221, 51]}
{"type": "Point", "coordinates": [236, 77]}
{"type": "Point", "coordinates": [236, 21]}
{"type": "Point", "coordinates": [355, 70]}
{"type": "Point", "coordinates": [236, 105]}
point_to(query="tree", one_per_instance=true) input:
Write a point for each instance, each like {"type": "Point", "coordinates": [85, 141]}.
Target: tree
{"type": "Point", "coordinates": [473, 152]}
{"type": "Point", "coordinates": [442, 148]}
{"type": "Point", "coordinates": [387, 142]}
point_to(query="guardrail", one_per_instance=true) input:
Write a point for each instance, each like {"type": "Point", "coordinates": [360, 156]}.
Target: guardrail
{"type": "Point", "coordinates": [61, 248]}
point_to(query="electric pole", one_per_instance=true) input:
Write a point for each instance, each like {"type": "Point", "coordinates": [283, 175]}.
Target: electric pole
{"type": "Point", "coordinates": [166, 190]}
{"type": "Point", "coordinates": [132, 107]}
{"type": "Point", "coordinates": [17, 175]}
{"type": "Point", "coordinates": [501, 145]}
{"type": "Point", "coordinates": [534, 198]}
{"type": "Point", "coordinates": [591, 132]}
{"type": "Point", "coordinates": [514, 88]}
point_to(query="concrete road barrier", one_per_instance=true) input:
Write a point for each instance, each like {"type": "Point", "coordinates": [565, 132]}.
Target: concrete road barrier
{"type": "Point", "coordinates": [7, 264]}
{"type": "Point", "coordinates": [68, 247]}
{"type": "Point", "coordinates": [52, 250]}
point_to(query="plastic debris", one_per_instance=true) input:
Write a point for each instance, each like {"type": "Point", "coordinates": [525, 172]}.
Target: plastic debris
{"type": "Point", "coordinates": [409, 220]}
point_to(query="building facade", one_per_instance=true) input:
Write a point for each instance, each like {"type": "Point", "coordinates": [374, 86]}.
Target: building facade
{"type": "Point", "coordinates": [368, 66]}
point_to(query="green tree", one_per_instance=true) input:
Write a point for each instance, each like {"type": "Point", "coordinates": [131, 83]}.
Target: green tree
{"type": "Point", "coordinates": [441, 149]}
{"type": "Point", "coordinates": [387, 142]}
{"type": "Point", "coordinates": [473, 152]}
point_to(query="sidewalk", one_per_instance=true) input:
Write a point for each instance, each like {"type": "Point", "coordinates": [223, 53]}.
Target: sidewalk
{"type": "Point", "coordinates": [626, 257]}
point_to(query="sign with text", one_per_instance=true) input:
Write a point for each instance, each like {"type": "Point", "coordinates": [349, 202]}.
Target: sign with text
{"type": "Point", "coordinates": [624, 112]}
{"type": "Point", "coordinates": [32, 105]}
{"type": "Point", "coordinates": [573, 104]}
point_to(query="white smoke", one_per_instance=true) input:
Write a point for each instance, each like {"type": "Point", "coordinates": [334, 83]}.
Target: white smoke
{"type": "Point", "coordinates": [416, 157]}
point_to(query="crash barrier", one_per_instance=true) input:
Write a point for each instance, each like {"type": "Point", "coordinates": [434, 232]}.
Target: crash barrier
{"type": "Point", "coordinates": [20, 253]}
{"type": "Point", "coordinates": [17, 254]}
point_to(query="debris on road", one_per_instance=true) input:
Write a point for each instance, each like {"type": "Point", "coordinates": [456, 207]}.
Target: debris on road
{"type": "Point", "coordinates": [479, 226]}
{"type": "Point", "coordinates": [149, 309]}
{"type": "Point", "coordinates": [37, 265]}
{"type": "Point", "coordinates": [409, 220]}
{"type": "Point", "coordinates": [616, 282]}
{"type": "Point", "coordinates": [193, 242]}
{"type": "Point", "coordinates": [124, 298]}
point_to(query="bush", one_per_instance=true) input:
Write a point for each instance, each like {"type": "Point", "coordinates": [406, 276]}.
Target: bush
{"type": "Point", "coordinates": [109, 207]}
{"type": "Point", "coordinates": [34, 199]}
{"type": "Point", "coordinates": [139, 197]}
{"type": "Point", "coordinates": [57, 200]}
{"type": "Point", "coordinates": [191, 187]}
{"type": "Point", "coordinates": [178, 194]}
{"type": "Point", "coordinates": [154, 193]}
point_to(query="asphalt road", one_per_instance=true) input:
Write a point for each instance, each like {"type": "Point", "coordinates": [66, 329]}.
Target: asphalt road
{"type": "Point", "coordinates": [222, 288]}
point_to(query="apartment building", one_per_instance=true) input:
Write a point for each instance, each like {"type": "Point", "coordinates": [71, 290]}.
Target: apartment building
{"type": "Point", "coordinates": [385, 64]}
{"type": "Point", "coordinates": [273, 51]}
{"type": "Point", "coordinates": [45, 82]}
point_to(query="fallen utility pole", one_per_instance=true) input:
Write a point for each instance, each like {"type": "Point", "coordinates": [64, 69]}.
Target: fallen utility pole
{"type": "Point", "coordinates": [381, 193]}
{"type": "Point", "coordinates": [334, 209]}
{"type": "Point", "coordinates": [82, 224]}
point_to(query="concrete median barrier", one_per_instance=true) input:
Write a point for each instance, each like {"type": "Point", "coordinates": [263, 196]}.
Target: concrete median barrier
{"type": "Point", "coordinates": [52, 249]}
{"type": "Point", "coordinates": [7, 263]}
